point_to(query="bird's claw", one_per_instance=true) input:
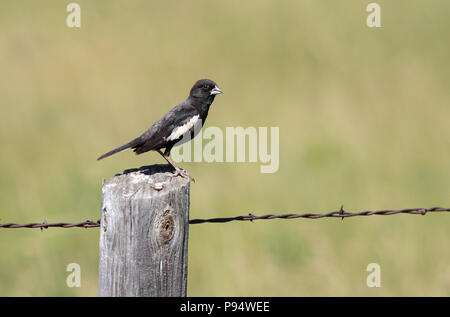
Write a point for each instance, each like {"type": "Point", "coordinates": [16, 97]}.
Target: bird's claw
{"type": "Point", "coordinates": [182, 173]}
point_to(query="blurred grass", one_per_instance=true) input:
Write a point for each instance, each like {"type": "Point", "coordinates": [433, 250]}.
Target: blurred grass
{"type": "Point", "coordinates": [363, 116]}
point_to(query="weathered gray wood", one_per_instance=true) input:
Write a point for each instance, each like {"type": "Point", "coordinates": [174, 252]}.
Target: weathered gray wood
{"type": "Point", "coordinates": [144, 234]}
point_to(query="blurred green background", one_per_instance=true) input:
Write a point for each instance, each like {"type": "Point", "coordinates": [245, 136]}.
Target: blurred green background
{"type": "Point", "coordinates": [363, 116]}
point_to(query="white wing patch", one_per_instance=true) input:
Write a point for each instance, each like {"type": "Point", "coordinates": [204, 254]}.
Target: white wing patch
{"type": "Point", "coordinates": [179, 131]}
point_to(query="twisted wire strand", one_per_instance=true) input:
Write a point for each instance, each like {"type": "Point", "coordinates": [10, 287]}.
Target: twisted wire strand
{"type": "Point", "coordinates": [341, 213]}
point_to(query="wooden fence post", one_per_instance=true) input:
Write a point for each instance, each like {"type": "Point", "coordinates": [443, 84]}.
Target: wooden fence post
{"type": "Point", "coordinates": [144, 234]}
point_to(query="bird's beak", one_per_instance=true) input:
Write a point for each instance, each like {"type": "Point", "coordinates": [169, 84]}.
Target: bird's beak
{"type": "Point", "coordinates": [215, 91]}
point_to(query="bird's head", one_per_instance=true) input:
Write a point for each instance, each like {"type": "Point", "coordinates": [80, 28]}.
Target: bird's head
{"type": "Point", "coordinates": [205, 89]}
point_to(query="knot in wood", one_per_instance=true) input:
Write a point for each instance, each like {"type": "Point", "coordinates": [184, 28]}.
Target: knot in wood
{"type": "Point", "coordinates": [166, 227]}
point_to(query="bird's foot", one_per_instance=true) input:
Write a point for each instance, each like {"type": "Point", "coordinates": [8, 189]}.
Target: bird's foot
{"type": "Point", "coordinates": [182, 173]}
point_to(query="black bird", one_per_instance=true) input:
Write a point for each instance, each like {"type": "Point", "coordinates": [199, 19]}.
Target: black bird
{"type": "Point", "coordinates": [187, 117]}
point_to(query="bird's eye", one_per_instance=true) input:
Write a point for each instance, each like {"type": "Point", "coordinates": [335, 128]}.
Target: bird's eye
{"type": "Point", "coordinates": [205, 87]}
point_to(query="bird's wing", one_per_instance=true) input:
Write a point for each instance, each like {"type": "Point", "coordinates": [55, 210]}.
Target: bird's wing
{"type": "Point", "coordinates": [169, 129]}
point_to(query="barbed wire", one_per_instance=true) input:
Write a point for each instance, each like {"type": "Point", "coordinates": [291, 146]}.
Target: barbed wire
{"type": "Point", "coordinates": [45, 225]}
{"type": "Point", "coordinates": [341, 213]}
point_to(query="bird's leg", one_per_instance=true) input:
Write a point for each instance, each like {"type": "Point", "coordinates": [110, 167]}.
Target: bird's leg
{"type": "Point", "coordinates": [178, 171]}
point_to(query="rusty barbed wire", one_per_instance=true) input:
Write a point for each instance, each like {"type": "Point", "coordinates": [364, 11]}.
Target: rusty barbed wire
{"type": "Point", "coordinates": [45, 225]}
{"type": "Point", "coordinates": [341, 213]}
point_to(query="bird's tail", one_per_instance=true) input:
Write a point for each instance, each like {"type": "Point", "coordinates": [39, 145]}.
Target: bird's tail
{"type": "Point", "coordinates": [120, 148]}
